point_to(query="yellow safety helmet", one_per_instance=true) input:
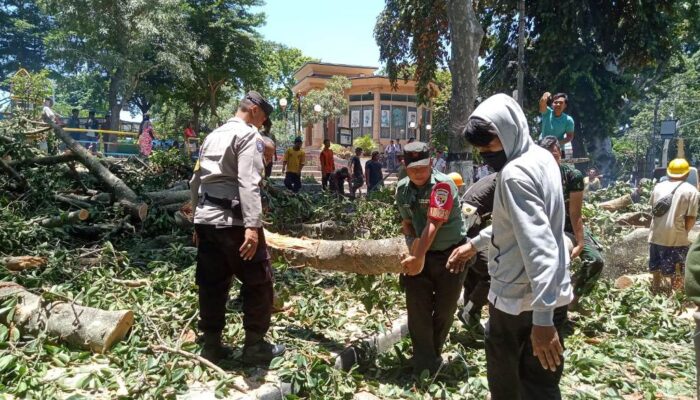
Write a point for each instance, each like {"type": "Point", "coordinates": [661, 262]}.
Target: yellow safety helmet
{"type": "Point", "coordinates": [456, 178]}
{"type": "Point", "coordinates": [678, 168]}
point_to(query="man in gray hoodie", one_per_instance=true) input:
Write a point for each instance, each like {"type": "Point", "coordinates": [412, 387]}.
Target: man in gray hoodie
{"type": "Point", "coordinates": [528, 258]}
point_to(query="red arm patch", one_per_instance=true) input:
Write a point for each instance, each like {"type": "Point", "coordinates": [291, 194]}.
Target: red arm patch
{"type": "Point", "coordinates": [440, 202]}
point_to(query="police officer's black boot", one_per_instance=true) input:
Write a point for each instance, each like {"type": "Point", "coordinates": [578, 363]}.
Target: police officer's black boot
{"type": "Point", "coordinates": [212, 348]}
{"type": "Point", "coordinates": [257, 351]}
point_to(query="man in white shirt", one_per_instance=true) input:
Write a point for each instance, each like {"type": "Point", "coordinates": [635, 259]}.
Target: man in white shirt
{"type": "Point", "coordinates": [668, 234]}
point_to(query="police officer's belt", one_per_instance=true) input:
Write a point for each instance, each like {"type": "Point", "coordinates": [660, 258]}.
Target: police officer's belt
{"type": "Point", "coordinates": [227, 204]}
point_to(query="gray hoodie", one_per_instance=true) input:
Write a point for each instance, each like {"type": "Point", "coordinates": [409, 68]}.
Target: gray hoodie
{"type": "Point", "coordinates": [527, 253]}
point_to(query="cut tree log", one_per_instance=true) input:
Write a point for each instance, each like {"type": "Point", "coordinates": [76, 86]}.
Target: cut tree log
{"type": "Point", "coordinates": [367, 257]}
{"type": "Point", "coordinates": [169, 196]}
{"type": "Point", "coordinates": [120, 189]}
{"type": "Point", "coordinates": [65, 219]}
{"type": "Point", "coordinates": [640, 219]}
{"type": "Point", "coordinates": [84, 327]}
{"type": "Point", "coordinates": [21, 263]}
{"type": "Point", "coordinates": [50, 160]}
{"type": "Point", "coordinates": [137, 210]}
{"type": "Point", "coordinates": [616, 204]}
{"type": "Point", "coordinates": [626, 281]}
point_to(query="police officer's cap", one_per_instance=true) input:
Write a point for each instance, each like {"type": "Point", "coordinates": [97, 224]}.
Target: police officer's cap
{"type": "Point", "coordinates": [257, 99]}
{"type": "Point", "coordinates": [416, 154]}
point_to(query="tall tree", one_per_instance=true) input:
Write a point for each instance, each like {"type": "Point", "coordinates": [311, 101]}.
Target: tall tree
{"type": "Point", "coordinates": [280, 62]}
{"type": "Point", "coordinates": [226, 30]}
{"type": "Point", "coordinates": [417, 32]}
{"type": "Point", "coordinates": [603, 54]}
{"type": "Point", "coordinates": [22, 30]}
{"type": "Point", "coordinates": [123, 39]}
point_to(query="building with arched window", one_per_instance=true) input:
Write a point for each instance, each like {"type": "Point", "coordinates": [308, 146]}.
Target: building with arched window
{"type": "Point", "coordinates": [375, 108]}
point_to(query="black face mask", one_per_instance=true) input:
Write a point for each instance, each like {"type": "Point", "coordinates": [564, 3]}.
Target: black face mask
{"type": "Point", "coordinates": [495, 159]}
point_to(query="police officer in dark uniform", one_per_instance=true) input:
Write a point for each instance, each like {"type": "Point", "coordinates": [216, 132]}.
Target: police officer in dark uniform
{"type": "Point", "coordinates": [228, 227]}
{"type": "Point", "coordinates": [433, 225]}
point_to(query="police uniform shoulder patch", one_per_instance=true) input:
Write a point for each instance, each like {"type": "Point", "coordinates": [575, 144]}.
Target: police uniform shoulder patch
{"type": "Point", "coordinates": [259, 145]}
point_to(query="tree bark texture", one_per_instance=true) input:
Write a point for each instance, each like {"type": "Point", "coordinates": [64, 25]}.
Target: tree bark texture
{"type": "Point", "coordinates": [367, 257]}
{"type": "Point", "coordinates": [84, 327]}
{"type": "Point", "coordinates": [465, 39]}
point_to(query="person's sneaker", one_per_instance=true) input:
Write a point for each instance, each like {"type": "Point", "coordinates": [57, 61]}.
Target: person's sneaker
{"type": "Point", "coordinates": [261, 353]}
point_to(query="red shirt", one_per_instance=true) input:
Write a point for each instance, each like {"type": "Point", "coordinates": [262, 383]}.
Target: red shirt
{"type": "Point", "coordinates": [189, 132]}
{"type": "Point", "coordinates": [327, 162]}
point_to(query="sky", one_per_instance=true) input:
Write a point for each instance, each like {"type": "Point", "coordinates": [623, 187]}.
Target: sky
{"type": "Point", "coordinates": [335, 31]}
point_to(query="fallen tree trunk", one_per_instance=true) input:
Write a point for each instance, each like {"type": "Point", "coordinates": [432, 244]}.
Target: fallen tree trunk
{"type": "Point", "coordinates": [616, 204]}
{"type": "Point", "coordinates": [367, 257]}
{"type": "Point", "coordinates": [23, 262]}
{"type": "Point", "coordinates": [84, 327]}
{"type": "Point", "coordinates": [169, 196]}
{"type": "Point", "coordinates": [117, 186]}
{"type": "Point", "coordinates": [50, 160]}
{"type": "Point", "coordinates": [65, 219]}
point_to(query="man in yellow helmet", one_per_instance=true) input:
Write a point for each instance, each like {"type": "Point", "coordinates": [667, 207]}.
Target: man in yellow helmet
{"type": "Point", "coordinates": [674, 208]}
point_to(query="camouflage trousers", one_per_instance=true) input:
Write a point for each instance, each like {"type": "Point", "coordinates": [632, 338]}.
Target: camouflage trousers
{"type": "Point", "coordinates": [586, 275]}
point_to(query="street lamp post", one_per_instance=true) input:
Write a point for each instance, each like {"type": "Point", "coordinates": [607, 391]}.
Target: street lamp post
{"type": "Point", "coordinates": [283, 105]}
{"type": "Point", "coordinates": [428, 128]}
{"type": "Point", "coordinates": [412, 125]}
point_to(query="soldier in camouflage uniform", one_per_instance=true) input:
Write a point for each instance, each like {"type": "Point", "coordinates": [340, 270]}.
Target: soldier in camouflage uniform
{"type": "Point", "coordinates": [585, 245]}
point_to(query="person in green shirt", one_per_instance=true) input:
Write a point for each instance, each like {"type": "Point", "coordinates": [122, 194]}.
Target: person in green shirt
{"type": "Point", "coordinates": [585, 245]}
{"type": "Point", "coordinates": [692, 290]}
{"type": "Point", "coordinates": [555, 122]}
{"type": "Point", "coordinates": [433, 224]}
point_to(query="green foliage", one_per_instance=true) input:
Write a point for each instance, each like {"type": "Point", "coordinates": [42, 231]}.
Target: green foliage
{"type": "Point", "coordinates": [366, 143]}
{"type": "Point", "coordinates": [167, 166]}
{"type": "Point", "coordinates": [439, 136]}
{"type": "Point", "coordinates": [341, 151]}
{"type": "Point", "coordinates": [29, 92]}
{"type": "Point", "coordinates": [628, 45]}
{"type": "Point", "coordinates": [412, 37]}
{"type": "Point", "coordinates": [22, 29]}
{"type": "Point", "coordinates": [331, 99]}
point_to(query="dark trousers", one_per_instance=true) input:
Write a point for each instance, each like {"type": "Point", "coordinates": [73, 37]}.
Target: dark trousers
{"type": "Point", "coordinates": [431, 301]}
{"type": "Point", "coordinates": [292, 181]}
{"type": "Point", "coordinates": [325, 177]}
{"type": "Point", "coordinates": [218, 261]}
{"type": "Point", "coordinates": [513, 372]}
{"type": "Point", "coordinates": [268, 170]}
{"type": "Point", "coordinates": [477, 284]}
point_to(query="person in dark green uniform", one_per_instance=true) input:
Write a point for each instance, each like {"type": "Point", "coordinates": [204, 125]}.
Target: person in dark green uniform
{"type": "Point", "coordinates": [585, 245]}
{"type": "Point", "coordinates": [433, 225]}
